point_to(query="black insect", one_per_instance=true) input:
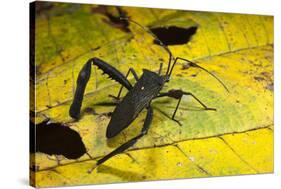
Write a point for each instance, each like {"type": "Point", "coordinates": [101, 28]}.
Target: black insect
{"type": "Point", "coordinates": [139, 97]}
{"type": "Point", "coordinates": [56, 139]}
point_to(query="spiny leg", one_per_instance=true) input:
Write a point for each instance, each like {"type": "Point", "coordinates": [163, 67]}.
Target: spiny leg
{"type": "Point", "coordinates": [83, 78]}
{"type": "Point", "coordinates": [131, 70]}
{"type": "Point", "coordinates": [178, 94]}
{"type": "Point", "coordinates": [131, 142]}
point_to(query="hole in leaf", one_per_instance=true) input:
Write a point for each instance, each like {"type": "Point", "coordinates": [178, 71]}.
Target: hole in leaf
{"type": "Point", "coordinates": [56, 139]}
{"type": "Point", "coordinates": [174, 35]}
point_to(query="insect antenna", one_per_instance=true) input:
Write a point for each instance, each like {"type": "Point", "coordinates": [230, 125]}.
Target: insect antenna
{"type": "Point", "coordinates": [192, 64]}
{"type": "Point", "coordinates": [169, 71]}
{"type": "Point", "coordinates": [156, 38]}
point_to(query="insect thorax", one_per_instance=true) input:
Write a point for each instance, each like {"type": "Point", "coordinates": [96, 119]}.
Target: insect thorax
{"type": "Point", "coordinates": [148, 86]}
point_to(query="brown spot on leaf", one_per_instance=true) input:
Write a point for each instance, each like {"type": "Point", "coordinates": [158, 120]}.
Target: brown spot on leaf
{"type": "Point", "coordinates": [95, 48]}
{"type": "Point", "coordinates": [185, 66]}
{"type": "Point", "coordinates": [113, 18]}
{"type": "Point", "coordinates": [258, 78]}
{"type": "Point", "coordinates": [270, 87]}
{"type": "Point", "coordinates": [90, 111]}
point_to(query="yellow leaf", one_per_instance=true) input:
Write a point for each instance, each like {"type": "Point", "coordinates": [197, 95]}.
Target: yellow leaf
{"type": "Point", "coordinates": [235, 139]}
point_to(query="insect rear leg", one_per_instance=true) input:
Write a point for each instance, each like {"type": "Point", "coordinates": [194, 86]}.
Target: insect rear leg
{"type": "Point", "coordinates": [131, 142]}
{"type": "Point", "coordinates": [178, 94]}
{"type": "Point", "coordinates": [83, 78]}
{"type": "Point", "coordinates": [81, 84]}
{"type": "Point", "coordinates": [112, 72]}
{"type": "Point", "coordinates": [131, 70]}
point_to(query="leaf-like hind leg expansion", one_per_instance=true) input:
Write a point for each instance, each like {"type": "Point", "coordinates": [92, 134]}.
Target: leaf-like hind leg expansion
{"type": "Point", "coordinates": [83, 78]}
{"type": "Point", "coordinates": [81, 84]}
{"type": "Point", "coordinates": [112, 72]}
{"type": "Point", "coordinates": [131, 70]}
{"type": "Point", "coordinates": [178, 94]}
{"type": "Point", "coordinates": [131, 142]}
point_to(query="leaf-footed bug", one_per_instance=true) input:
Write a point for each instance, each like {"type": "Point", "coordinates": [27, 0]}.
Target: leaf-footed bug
{"type": "Point", "coordinates": [147, 88]}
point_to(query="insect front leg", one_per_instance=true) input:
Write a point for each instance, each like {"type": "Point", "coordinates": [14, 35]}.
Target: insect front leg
{"type": "Point", "coordinates": [178, 94]}
{"type": "Point", "coordinates": [131, 142]}
{"type": "Point", "coordinates": [131, 70]}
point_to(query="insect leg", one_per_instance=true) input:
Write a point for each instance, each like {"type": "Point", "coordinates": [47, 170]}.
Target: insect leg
{"type": "Point", "coordinates": [160, 68]}
{"type": "Point", "coordinates": [81, 83]}
{"type": "Point", "coordinates": [178, 94]}
{"type": "Point", "coordinates": [131, 70]}
{"type": "Point", "coordinates": [131, 142]}
{"type": "Point", "coordinates": [83, 78]}
{"type": "Point", "coordinates": [112, 72]}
